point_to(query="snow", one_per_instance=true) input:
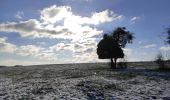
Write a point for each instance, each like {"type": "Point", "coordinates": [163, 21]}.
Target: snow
{"type": "Point", "coordinates": [82, 82]}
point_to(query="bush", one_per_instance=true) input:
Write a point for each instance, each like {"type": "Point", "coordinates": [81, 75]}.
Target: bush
{"type": "Point", "coordinates": [123, 64]}
{"type": "Point", "coordinates": [161, 62]}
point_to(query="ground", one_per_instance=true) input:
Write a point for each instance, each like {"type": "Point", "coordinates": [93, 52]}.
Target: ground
{"type": "Point", "coordinates": [84, 82]}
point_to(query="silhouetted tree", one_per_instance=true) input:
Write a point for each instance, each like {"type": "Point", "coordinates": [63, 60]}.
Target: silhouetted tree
{"type": "Point", "coordinates": [111, 46]}
{"type": "Point", "coordinates": [161, 62]}
{"type": "Point", "coordinates": [108, 48]}
{"type": "Point", "coordinates": [168, 37]}
{"type": "Point", "coordinates": [122, 36]}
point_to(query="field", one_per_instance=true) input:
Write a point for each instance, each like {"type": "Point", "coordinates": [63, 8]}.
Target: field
{"type": "Point", "coordinates": [140, 81]}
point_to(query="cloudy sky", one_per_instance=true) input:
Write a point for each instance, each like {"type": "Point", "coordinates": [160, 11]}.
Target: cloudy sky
{"type": "Point", "coordinates": [67, 31]}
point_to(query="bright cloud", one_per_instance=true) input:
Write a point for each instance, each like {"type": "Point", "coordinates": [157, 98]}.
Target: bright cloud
{"type": "Point", "coordinates": [31, 27]}
{"type": "Point", "coordinates": [104, 16]}
{"type": "Point", "coordinates": [165, 48]}
{"type": "Point", "coordinates": [59, 22]}
{"type": "Point", "coordinates": [76, 47]}
{"type": "Point", "coordinates": [5, 46]}
{"type": "Point", "coordinates": [62, 46]}
{"type": "Point", "coordinates": [55, 14]}
{"type": "Point", "coordinates": [36, 52]}
{"type": "Point", "coordinates": [84, 49]}
{"type": "Point", "coordinates": [51, 53]}
{"type": "Point", "coordinates": [28, 50]}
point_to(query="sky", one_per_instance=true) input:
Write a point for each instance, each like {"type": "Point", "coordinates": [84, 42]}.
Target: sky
{"type": "Point", "coordinates": [68, 31]}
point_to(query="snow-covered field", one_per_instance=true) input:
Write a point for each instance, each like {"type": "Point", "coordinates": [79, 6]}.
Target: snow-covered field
{"type": "Point", "coordinates": [83, 82]}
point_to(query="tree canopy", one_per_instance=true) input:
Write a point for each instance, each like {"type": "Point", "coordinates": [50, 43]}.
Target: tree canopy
{"type": "Point", "coordinates": [109, 48]}
{"type": "Point", "coordinates": [111, 45]}
{"type": "Point", "coordinates": [122, 36]}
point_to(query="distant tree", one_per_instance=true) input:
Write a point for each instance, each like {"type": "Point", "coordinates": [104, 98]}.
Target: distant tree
{"type": "Point", "coordinates": [167, 41]}
{"type": "Point", "coordinates": [160, 61]}
{"type": "Point", "coordinates": [168, 36]}
{"type": "Point", "coordinates": [111, 46]}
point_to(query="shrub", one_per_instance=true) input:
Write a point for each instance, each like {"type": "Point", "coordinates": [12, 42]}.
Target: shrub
{"type": "Point", "coordinates": [160, 61]}
{"type": "Point", "coordinates": [123, 63]}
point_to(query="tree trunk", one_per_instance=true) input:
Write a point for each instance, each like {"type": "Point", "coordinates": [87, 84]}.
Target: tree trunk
{"type": "Point", "coordinates": [112, 64]}
{"type": "Point", "coordinates": [115, 59]}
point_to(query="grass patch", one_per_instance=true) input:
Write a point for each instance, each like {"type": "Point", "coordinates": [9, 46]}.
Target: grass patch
{"type": "Point", "coordinates": [41, 90]}
{"type": "Point", "coordinates": [122, 75]}
{"type": "Point", "coordinates": [96, 89]}
{"type": "Point", "coordinates": [113, 87]}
